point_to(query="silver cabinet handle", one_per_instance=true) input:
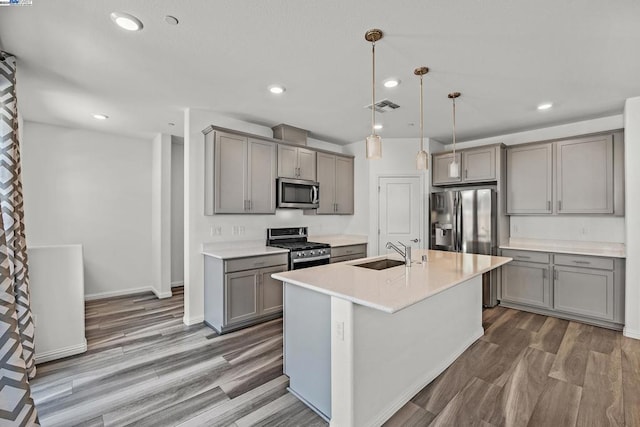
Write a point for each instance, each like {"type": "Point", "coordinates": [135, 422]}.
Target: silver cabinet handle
{"type": "Point", "coordinates": [250, 205]}
{"type": "Point", "coordinates": [466, 173]}
{"type": "Point", "coordinates": [523, 256]}
{"type": "Point", "coordinates": [559, 205]}
{"type": "Point", "coordinates": [549, 205]}
{"type": "Point", "coordinates": [582, 262]}
{"type": "Point", "coordinates": [544, 273]}
{"type": "Point", "coordinates": [555, 274]}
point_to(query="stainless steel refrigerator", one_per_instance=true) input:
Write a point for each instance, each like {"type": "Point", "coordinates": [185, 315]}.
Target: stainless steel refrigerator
{"type": "Point", "coordinates": [465, 221]}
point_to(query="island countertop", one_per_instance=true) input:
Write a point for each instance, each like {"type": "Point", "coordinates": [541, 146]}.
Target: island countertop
{"type": "Point", "coordinates": [395, 288]}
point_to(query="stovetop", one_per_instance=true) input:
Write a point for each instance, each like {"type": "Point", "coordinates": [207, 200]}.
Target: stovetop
{"type": "Point", "coordinates": [299, 246]}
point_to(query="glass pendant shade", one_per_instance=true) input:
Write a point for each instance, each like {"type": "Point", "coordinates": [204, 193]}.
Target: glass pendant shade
{"type": "Point", "coordinates": [422, 160]}
{"type": "Point", "coordinates": [454, 169]}
{"type": "Point", "coordinates": [374, 147]}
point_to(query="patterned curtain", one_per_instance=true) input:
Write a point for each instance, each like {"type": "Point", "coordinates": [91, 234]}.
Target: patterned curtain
{"type": "Point", "coordinates": [17, 363]}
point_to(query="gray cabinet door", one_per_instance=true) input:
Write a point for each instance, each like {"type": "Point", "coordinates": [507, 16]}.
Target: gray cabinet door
{"type": "Point", "coordinates": [479, 164]}
{"type": "Point", "coordinates": [230, 155]}
{"type": "Point", "coordinates": [327, 179]}
{"type": "Point", "coordinates": [529, 179]}
{"type": "Point", "coordinates": [287, 161]}
{"type": "Point", "coordinates": [584, 291]}
{"type": "Point", "coordinates": [344, 185]}
{"type": "Point", "coordinates": [261, 181]}
{"type": "Point", "coordinates": [526, 283]}
{"type": "Point", "coordinates": [440, 169]}
{"type": "Point", "coordinates": [241, 296]}
{"type": "Point", "coordinates": [584, 175]}
{"type": "Point", "coordinates": [306, 164]}
{"type": "Point", "coordinates": [271, 290]}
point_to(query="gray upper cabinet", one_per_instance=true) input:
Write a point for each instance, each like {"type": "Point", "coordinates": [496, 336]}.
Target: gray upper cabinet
{"type": "Point", "coordinates": [296, 162]}
{"type": "Point", "coordinates": [440, 169]}
{"type": "Point", "coordinates": [529, 179]}
{"type": "Point", "coordinates": [243, 175]}
{"type": "Point", "coordinates": [573, 176]}
{"type": "Point", "coordinates": [335, 175]}
{"type": "Point", "coordinates": [479, 164]}
{"type": "Point", "coordinates": [584, 175]}
{"type": "Point", "coordinates": [230, 173]}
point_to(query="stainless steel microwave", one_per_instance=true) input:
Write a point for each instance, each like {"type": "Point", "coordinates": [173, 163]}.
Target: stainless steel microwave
{"type": "Point", "coordinates": [298, 193]}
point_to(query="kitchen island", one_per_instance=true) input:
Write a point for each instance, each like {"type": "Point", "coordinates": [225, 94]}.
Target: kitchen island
{"type": "Point", "coordinates": [359, 342]}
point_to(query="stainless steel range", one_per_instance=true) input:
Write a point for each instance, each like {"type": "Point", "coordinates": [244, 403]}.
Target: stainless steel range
{"type": "Point", "coordinates": [302, 253]}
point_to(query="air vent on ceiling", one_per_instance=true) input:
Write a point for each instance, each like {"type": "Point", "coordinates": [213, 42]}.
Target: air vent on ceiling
{"type": "Point", "coordinates": [384, 106]}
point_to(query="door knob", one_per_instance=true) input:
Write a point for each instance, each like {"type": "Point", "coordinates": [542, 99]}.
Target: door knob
{"type": "Point", "coordinates": [415, 240]}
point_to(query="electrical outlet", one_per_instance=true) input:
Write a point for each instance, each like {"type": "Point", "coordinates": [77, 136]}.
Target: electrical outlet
{"type": "Point", "coordinates": [340, 330]}
{"type": "Point", "coordinates": [217, 230]}
{"type": "Point", "coordinates": [241, 229]}
{"type": "Point", "coordinates": [234, 230]}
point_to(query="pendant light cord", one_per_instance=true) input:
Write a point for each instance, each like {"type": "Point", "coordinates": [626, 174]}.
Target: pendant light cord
{"type": "Point", "coordinates": [373, 88]}
{"type": "Point", "coordinates": [421, 118]}
{"type": "Point", "coordinates": [454, 128]}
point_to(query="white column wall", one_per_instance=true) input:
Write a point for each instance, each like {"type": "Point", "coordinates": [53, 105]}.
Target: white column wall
{"type": "Point", "coordinates": [632, 216]}
{"type": "Point", "coordinates": [161, 215]}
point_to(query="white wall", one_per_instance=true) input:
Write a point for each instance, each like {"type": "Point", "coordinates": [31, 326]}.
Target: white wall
{"type": "Point", "coordinates": [198, 227]}
{"type": "Point", "coordinates": [398, 158]}
{"type": "Point", "coordinates": [94, 189]}
{"type": "Point", "coordinates": [632, 203]}
{"type": "Point", "coordinates": [177, 210]}
{"type": "Point", "coordinates": [161, 215]}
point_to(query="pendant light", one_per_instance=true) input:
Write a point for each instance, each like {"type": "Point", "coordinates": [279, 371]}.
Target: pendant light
{"type": "Point", "coordinates": [454, 166]}
{"type": "Point", "coordinates": [373, 141]}
{"type": "Point", "coordinates": [422, 159]}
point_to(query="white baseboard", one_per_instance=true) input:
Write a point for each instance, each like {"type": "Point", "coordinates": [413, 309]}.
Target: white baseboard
{"type": "Point", "coordinates": [61, 352]}
{"type": "Point", "coordinates": [193, 320]}
{"type": "Point", "coordinates": [162, 295]}
{"type": "Point", "coordinates": [176, 284]}
{"type": "Point", "coordinates": [631, 333]}
{"type": "Point", "coordinates": [424, 381]}
{"type": "Point", "coordinates": [110, 294]}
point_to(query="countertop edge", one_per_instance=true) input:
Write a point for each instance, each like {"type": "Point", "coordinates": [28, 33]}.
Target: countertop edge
{"type": "Point", "coordinates": [388, 309]}
{"type": "Point", "coordinates": [586, 252]}
{"type": "Point", "coordinates": [250, 252]}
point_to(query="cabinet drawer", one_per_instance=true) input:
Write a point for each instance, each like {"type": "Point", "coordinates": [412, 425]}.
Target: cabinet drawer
{"type": "Point", "coordinates": [255, 262]}
{"type": "Point", "coordinates": [528, 256]}
{"type": "Point", "coordinates": [584, 261]}
{"type": "Point", "coordinates": [349, 250]}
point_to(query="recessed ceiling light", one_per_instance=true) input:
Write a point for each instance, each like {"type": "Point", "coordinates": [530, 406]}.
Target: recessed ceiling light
{"type": "Point", "coordinates": [171, 20]}
{"type": "Point", "coordinates": [391, 83]}
{"type": "Point", "coordinates": [277, 89]}
{"type": "Point", "coordinates": [378, 126]}
{"type": "Point", "coordinates": [126, 21]}
{"type": "Point", "coordinates": [545, 106]}
{"type": "Point", "coordinates": [100, 116]}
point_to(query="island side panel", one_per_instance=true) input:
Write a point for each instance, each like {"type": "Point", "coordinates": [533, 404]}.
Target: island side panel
{"type": "Point", "coordinates": [307, 346]}
{"type": "Point", "coordinates": [213, 292]}
{"type": "Point", "coordinates": [396, 355]}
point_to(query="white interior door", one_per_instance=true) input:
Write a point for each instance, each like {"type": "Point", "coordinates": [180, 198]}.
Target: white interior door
{"type": "Point", "coordinates": [400, 211]}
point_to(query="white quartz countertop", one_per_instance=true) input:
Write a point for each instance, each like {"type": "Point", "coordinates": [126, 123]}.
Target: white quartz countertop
{"type": "Point", "coordinates": [395, 288]}
{"type": "Point", "coordinates": [243, 249]}
{"type": "Point", "coordinates": [338, 240]}
{"type": "Point", "coordinates": [614, 250]}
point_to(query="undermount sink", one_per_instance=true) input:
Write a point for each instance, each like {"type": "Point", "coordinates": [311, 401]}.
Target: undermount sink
{"type": "Point", "coordinates": [380, 264]}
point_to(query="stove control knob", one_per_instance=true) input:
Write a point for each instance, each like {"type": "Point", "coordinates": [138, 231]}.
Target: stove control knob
{"type": "Point", "coordinates": [312, 253]}
{"type": "Point", "coordinates": [301, 254]}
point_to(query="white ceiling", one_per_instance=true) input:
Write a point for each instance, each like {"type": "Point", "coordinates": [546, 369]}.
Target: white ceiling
{"type": "Point", "coordinates": [505, 57]}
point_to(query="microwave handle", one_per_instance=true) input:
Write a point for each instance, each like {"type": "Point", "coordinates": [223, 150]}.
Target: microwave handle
{"type": "Point", "coordinates": [314, 194]}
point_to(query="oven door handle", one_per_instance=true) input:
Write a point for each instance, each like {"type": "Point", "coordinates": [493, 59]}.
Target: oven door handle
{"type": "Point", "coordinates": [317, 258]}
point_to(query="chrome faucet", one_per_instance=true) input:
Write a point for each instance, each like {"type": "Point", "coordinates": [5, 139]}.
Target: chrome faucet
{"type": "Point", "coordinates": [406, 254]}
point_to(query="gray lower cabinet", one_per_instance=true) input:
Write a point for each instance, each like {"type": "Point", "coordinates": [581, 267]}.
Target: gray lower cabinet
{"type": "Point", "coordinates": [584, 288]}
{"type": "Point", "coordinates": [348, 253]}
{"type": "Point", "coordinates": [526, 283]}
{"type": "Point", "coordinates": [240, 292]}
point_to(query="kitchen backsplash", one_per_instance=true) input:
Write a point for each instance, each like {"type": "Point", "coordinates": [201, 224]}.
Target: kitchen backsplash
{"type": "Point", "coordinates": [577, 228]}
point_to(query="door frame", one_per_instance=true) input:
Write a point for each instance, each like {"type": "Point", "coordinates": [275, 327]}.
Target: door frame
{"type": "Point", "coordinates": [423, 208]}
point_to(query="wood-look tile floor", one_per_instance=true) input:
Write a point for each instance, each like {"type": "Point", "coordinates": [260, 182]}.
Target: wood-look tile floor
{"type": "Point", "coordinates": [144, 367]}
